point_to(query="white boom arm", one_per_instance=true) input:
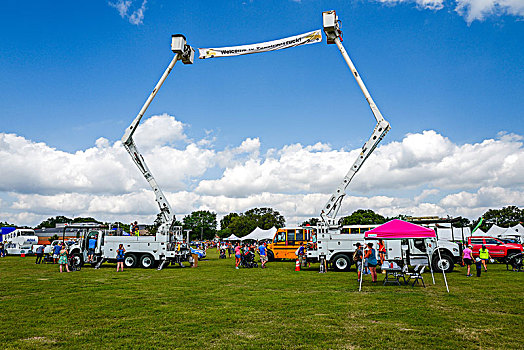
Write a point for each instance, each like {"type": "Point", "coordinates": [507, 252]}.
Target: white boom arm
{"type": "Point", "coordinates": [330, 210]}
{"type": "Point", "coordinates": [186, 54]}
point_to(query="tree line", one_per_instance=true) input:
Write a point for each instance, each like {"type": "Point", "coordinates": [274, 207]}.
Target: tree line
{"type": "Point", "coordinates": [203, 223]}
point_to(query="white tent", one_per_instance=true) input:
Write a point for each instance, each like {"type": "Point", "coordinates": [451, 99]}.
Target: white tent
{"type": "Point", "coordinates": [495, 230]}
{"type": "Point", "coordinates": [259, 234]}
{"type": "Point", "coordinates": [479, 232]}
{"type": "Point", "coordinates": [519, 228]}
{"type": "Point", "coordinates": [232, 238]}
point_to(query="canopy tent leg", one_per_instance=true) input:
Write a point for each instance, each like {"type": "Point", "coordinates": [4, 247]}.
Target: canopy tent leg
{"type": "Point", "coordinates": [443, 272]}
{"type": "Point", "coordinates": [431, 268]}
{"type": "Point", "coordinates": [361, 273]}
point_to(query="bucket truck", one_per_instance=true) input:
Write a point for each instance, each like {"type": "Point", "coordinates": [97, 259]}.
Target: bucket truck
{"type": "Point", "coordinates": [332, 244]}
{"type": "Point", "coordinates": [168, 244]}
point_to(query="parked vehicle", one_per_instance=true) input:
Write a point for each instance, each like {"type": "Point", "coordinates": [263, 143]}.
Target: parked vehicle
{"type": "Point", "coordinates": [287, 240]}
{"type": "Point", "coordinates": [338, 249]}
{"type": "Point", "coordinates": [20, 241]}
{"type": "Point", "coordinates": [498, 250]}
{"type": "Point", "coordinates": [143, 251]}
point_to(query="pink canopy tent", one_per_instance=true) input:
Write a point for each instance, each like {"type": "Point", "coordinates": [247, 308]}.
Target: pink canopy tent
{"type": "Point", "coordinates": [398, 229]}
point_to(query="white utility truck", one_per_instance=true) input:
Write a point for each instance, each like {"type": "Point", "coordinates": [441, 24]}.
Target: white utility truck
{"type": "Point", "coordinates": [335, 246]}
{"type": "Point", "coordinates": [338, 249]}
{"type": "Point", "coordinates": [141, 251]}
{"type": "Point", "coordinates": [20, 241]}
{"type": "Point", "coordinates": [168, 244]}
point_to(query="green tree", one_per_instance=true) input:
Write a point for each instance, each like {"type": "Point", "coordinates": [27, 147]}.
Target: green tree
{"type": "Point", "coordinates": [363, 217]}
{"type": "Point", "coordinates": [51, 222]}
{"type": "Point", "coordinates": [266, 218]}
{"type": "Point", "coordinates": [505, 217]}
{"type": "Point", "coordinates": [311, 222]}
{"type": "Point", "coordinates": [243, 224]}
{"type": "Point", "coordinates": [226, 220]}
{"type": "Point", "coordinates": [202, 223]}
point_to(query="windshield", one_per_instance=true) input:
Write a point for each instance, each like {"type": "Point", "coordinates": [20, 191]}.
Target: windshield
{"type": "Point", "coordinates": [27, 233]}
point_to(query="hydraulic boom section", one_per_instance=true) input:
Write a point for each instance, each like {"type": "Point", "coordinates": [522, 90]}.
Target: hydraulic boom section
{"type": "Point", "coordinates": [185, 53]}
{"type": "Point", "coordinates": [334, 35]}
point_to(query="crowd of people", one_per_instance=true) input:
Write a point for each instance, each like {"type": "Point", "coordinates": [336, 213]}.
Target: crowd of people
{"type": "Point", "coordinates": [244, 253]}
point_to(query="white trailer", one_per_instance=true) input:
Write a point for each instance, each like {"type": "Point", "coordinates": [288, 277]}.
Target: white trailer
{"type": "Point", "coordinates": [140, 251]}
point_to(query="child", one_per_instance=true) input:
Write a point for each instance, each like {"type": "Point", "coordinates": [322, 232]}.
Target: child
{"type": "Point", "coordinates": [478, 264]}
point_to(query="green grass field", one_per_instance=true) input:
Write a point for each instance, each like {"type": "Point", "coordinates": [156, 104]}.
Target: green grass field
{"type": "Point", "coordinates": [218, 307]}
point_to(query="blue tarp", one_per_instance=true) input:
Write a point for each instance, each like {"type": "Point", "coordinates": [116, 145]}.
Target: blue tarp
{"type": "Point", "coordinates": [5, 231]}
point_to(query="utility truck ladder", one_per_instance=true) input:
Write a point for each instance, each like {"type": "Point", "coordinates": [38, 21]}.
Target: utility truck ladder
{"type": "Point", "coordinates": [334, 36]}
{"type": "Point", "coordinates": [185, 53]}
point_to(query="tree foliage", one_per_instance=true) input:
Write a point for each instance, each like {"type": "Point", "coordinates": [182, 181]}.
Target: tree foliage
{"type": "Point", "coordinates": [51, 222]}
{"type": "Point", "coordinates": [505, 217]}
{"type": "Point", "coordinates": [201, 223]}
{"type": "Point", "coordinates": [363, 217]}
{"type": "Point", "coordinates": [311, 222]}
{"type": "Point", "coordinates": [243, 224]}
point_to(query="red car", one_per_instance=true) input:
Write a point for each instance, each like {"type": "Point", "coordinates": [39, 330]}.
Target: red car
{"type": "Point", "coordinates": [497, 248]}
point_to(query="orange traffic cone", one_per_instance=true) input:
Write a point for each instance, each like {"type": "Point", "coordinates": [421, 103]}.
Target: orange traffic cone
{"type": "Point", "coordinates": [297, 266]}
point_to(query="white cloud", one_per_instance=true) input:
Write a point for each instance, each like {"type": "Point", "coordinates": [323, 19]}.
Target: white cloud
{"type": "Point", "coordinates": [422, 174]}
{"type": "Point", "coordinates": [471, 10]}
{"type": "Point", "coordinates": [480, 9]}
{"type": "Point", "coordinates": [136, 17]}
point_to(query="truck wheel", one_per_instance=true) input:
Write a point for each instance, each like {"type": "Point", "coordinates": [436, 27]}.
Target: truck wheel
{"type": "Point", "coordinates": [446, 263]}
{"type": "Point", "coordinates": [147, 261]}
{"type": "Point", "coordinates": [270, 255]}
{"type": "Point", "coordinates": [510, 257]}
{"type": "Point", "coordinates": [77, 259]}
{"type": "Point", "coordinates": [341, 262]}
{"type": "Point", "coordinates": [130, 260]}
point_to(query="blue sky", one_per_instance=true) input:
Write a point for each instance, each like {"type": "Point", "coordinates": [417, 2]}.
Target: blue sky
{"type": "Point", "coordinates": [76, 71]}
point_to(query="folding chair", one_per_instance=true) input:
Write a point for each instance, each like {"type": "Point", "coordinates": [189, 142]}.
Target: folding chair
{"type": "Point", "coordinates": [417, 275]}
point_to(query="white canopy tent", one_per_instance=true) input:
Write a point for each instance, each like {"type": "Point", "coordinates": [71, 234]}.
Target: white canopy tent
{"type": "Point", "coordinates": [495, 230]}
{"type": "Point", "coordinates": [258, 234]}
{"type": "Point", "coordinates": [232, 238]}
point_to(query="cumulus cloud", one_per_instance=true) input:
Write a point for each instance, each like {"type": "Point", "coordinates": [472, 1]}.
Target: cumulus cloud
{"type": "Point", "coordinates": [471, 10]}
{"type": "Point", "coordinates": [123, 7]}
{"type": "Point", "coordinates": [422, 174]}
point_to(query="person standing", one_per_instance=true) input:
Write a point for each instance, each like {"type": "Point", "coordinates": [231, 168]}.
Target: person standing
{"type": "Point", "coordinates": [120, 253]}
{"type": "Point", "coordinates": [467, 259]}
{"type": "Point", "coordinates": [372, 262]}
{"type": "Point", "coordinates": [39, 254]}
{"type": "Point", "coordinates": [229, 249]}
{"type": "Point", "coordinates": [263, 254]}
{"type": "Point", "coordinates": [381, 251]}
{"type": "Point", "coordinates": [238, 255]}
{"type": "Point", "coordinates": [357, 258]}
{"type": "Point", "coordinates": [478, 264]}
{"type": "Point", "coordinates": [194, 255]}
{"type": "Point", "coordinates": [484, 256]}
{"type": "Point", "coordinates": [91, 248]}
{"type": "Point", "coordinates": [56, 252]}
{"type": "Point", "coordinates": [2, 254]}
{"type": "Point", "coordinates": [300, 253]}
{"type": "Point", "coordinates": [63, 257]}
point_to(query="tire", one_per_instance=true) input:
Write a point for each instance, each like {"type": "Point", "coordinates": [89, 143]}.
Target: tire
{"type": "Point", "coordinates": [147, 261]}
{"type": "Point", "coordinates": [130, 260]}
{"type": "Point", "coordinates": [78, 259]}
{"type": "Point", "coordinates": [270, 255]}
{"type": "Point", "coordinates": [509, 258]}
{"type": "Point", "coordinates": [445, 263]}
{"type": "Point", "coordinates": [341, 263]}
